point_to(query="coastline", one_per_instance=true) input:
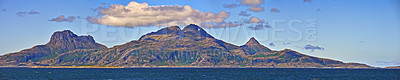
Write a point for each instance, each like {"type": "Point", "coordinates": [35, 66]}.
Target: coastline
{"type": "Point", "coordinates": [75, 67]}
{"type": "Point", "coordinates": [185, 67]}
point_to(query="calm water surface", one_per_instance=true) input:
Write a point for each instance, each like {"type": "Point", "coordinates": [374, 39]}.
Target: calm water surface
{"type": "Point", "coordinates": [199, 73]}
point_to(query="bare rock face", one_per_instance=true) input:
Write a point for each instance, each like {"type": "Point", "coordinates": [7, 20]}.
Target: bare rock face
{"type": "Point", "coordinates": [170, 46]}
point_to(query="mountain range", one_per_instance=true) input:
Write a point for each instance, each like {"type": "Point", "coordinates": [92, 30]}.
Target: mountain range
{"type": "Point", "coordinates": [171, 46]}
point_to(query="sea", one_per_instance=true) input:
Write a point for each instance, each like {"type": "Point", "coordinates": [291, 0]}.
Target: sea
{"type": "Point", "coordinates": [198, 74]}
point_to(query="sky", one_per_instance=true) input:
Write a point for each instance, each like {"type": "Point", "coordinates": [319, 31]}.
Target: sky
{"type": "Point", "coordinates": [362, 31]}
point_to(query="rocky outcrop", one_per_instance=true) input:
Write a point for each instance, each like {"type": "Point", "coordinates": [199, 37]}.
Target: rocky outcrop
{"type": "Point", "coordinates": [63, 41]}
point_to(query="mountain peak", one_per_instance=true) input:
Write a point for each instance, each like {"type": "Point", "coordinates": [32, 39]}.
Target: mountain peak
{"type": "Point", "coordinates": [174, 28]}
{"type": "Point", "coordinates": [196, 31]}
{"type": "Point", "coordinates": [167, 30]}
{"type": "Point", "coordinates": [63, 34]}
{"type": "Point", "coordinates": [67, 40]}
{"type": "Point", "coordinates": [252, 41]}
{"type": "Point", "coordinates": [253, 46]}
{"type": "Point", "coordinates": [192, 27]}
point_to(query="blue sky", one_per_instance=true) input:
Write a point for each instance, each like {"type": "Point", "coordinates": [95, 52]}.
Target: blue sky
{"type": "Point", "coordinates": [364, 31]}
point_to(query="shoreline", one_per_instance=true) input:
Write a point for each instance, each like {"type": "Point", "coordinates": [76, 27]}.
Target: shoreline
{"type": "Point", "coordinates": [184, 67]}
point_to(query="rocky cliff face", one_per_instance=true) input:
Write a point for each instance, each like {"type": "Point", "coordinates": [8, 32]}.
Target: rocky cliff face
{"type": "Point", "coordinates": [171, 46]}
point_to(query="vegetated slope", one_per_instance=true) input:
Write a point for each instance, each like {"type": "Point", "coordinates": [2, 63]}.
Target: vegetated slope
{"type": "Point", "coordinates": [170, 46]}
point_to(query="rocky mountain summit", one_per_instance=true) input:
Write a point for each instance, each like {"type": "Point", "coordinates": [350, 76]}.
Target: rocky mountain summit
{"type": "Point", "coordinates": [60, 42]}
{"type": "Point", "coordinates": [170, 46]}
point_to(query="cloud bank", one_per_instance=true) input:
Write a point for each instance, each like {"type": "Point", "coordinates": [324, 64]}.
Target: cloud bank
{"type": "Point", "coordinates": [141, 14]}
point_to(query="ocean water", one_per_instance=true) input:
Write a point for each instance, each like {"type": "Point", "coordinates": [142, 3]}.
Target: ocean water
{"type": "Point", "coordinates": [199, 73]}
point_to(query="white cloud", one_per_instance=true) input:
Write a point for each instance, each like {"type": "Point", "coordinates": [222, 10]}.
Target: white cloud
{"type": "Point", "coordinates": [4, 10]}
{"type": "Point", "coordinates": [259, 26]}
{"type": "Point", "coordinates": [141, 14]}
{"type": "Point", "coordinates": [252, 2]}
{"type": "Point", "coordinates": [254, 5]}
{"type": "Point", "coordinates": [275, 10]}
{"type": "Point", "coordinates": [255, 20]}
{"type": "Point", "coordinates": [62, 18]}
{"type": "Point", "coordinates": [306, 0]}
{"type": "Point", "coordinates": [230, 6]}
{"type": "Point", "coordinates": [33, 12]}
{"type": "Point", "coordinates": [312, 48]}
{"type": "Point", "coordinates": [256, 8]}
{"type": "Point", "coordinates": [22, 13]}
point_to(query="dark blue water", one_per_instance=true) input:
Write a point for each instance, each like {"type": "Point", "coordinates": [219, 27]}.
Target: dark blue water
{"type": "Point", "coordinates": [199, 73]}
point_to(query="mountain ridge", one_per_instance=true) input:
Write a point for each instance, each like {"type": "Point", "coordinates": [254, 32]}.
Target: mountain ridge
{"type": "Point", "coordinates": [170, 46]}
